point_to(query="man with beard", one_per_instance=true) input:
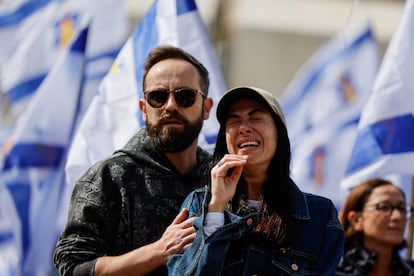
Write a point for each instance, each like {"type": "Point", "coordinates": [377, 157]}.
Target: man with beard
{"type": "Point", "coordinates": [123, 213]}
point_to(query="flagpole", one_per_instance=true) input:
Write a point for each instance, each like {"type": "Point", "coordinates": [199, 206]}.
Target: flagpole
{"type": "Point", "coordinates": [410, 225]}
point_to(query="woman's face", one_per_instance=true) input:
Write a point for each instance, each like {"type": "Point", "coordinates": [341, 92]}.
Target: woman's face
{"type": "Point", "coordinates": [250, 130]}
{"type": "Point", "coordinates": [383, 226]}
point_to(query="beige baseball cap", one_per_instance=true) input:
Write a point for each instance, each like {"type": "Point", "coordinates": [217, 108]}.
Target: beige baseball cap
{"type": "Point", "coordinates": [249, 92]}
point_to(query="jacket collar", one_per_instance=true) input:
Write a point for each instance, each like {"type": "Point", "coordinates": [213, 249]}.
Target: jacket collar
{"type": "Point", "coordinates": [300, 208]}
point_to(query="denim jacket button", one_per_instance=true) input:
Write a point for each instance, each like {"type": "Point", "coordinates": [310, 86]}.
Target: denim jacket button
{"type": "Point", "coordinates": [249, 221]}
{"type": "Point", "coordinates": [294, 267]}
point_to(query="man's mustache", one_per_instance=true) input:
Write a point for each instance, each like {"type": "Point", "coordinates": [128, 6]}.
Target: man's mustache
{"type": "Point", "coordinates": [171, 115]}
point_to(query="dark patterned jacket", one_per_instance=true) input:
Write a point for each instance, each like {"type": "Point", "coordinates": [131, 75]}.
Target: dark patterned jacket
{"type": "Point", "coordinates": [122, 203]}
{"type": "Point", "coordinates": [359, 262]}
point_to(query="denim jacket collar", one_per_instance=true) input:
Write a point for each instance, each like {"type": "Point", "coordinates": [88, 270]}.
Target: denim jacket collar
{"type": "Point", "coordinates": [300, 209]}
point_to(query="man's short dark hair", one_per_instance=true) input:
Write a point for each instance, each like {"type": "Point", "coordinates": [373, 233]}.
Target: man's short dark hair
{"type": "Point", "coordinates": [170, 52]}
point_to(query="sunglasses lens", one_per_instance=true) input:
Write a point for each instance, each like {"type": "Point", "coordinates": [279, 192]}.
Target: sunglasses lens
{"type": "Point", "coordinates": [185, 97]}
{"type": "Point", "coordinates": [157, 98]}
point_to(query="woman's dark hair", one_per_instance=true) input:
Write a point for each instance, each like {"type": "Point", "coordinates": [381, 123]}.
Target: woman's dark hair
{"type": "Point", "coordinates": [356, 201]}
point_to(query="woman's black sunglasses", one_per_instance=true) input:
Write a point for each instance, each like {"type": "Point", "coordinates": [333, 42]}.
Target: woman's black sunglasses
{"type": "Point", "coordinates": [185, 97]}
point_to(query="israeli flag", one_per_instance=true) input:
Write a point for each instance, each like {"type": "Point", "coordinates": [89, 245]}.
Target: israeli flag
{"type": "Point", "coordinates": [338, 77]}
{"type": "Point", "coordinates": [322, 106]}
{"type": "Point", "coordinates": [320, 160]}
{"type": "Point", "coordinates": [33, 33]}
{"type": "Point", "coordinates": [32, 173]}
{"type": "Point", "coordinates": [28, 49]}
{"type": "Point", "coordinates": [106, 36]}
{"type": "Point", "coordinates": [113, 116]}
{"type": "Point", "coordinates": [385, 143]}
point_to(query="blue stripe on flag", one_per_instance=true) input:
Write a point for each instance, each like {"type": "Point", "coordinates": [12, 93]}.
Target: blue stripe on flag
{"type": "Point", "coordinates": [211, 139]}
{"type": "Point", "coordinates": [34, 155]}
{"type": "Point", "coordinates": [21, 195]}
{"type": "Point", "coordinates": [5, 237]}
{"type": "Point", "coordinates": [100, 74]}
{"type": "Point", "coordinates": [391, 136]}
{"type": "Point", "coordinates": [96, 76]}
{"type": "Point", "coordinates": [184, 6]}
{"type": "Point", "coordinates": [144, 39]}
{"type": "Point", "coordinates": [109, 54]}
{"type": "Point", "coordinates": [24, 89]}
{"type": "Point", "coordinates": [79, 45]}
{"type": "Point", "coordinates": [342, 55]}
{"type": "Point", "coordinates": [25, 10]}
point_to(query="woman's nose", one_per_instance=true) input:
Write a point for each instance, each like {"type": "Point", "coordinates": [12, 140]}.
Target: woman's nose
{"type": "Point", "coordinates": [245, 126]}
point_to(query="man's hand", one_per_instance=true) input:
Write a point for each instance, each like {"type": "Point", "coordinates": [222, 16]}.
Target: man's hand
{"type": "Point", "coordinates": [176, 238]}
{"type": "Point", "coordinates": [179, 235]}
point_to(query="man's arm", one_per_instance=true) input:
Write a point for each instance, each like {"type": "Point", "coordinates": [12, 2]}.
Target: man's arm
{"type": "Point", "coordinates": [176, 238]}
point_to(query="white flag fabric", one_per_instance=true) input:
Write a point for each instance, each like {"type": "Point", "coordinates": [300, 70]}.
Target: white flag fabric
{"type": "Point", "coordinates": [16, 20]}
{"type": "Point", "coordinates": [107, 34]}
{"type": "Point", "coordinates": [32, 177]}
{"type": "Point", "coordinates": [113, 116]}
{"type": "Point", "coordinates": [385, 143]}
{"type": "Point", "coordinates": [320, 159]}
{"type": "Point", "coordinates": [336, 78]}
{"type": "Point", "coordinates": [33, 33]}
{"type": "Point", "coordinates": [10, 234]}
{"type": "Point", "coordinates": [322, 106]}
{"type": "Point", "coordinates": [28, 49]}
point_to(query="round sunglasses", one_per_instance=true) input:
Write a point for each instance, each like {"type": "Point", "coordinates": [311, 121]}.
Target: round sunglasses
{"type": "Point", "coordinates": [185, 97]}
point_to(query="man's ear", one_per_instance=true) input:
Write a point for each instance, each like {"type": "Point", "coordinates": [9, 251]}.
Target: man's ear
{"type": "Point", "coordinates": [208, 104]}
{"type": "Point", "coordinates": [142, 107]}
{"type": "Point", "coordinates": [355, 219]}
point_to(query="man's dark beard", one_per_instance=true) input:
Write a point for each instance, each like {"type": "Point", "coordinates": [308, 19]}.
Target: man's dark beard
{"type": "Point", "coordinates": [170, 139]}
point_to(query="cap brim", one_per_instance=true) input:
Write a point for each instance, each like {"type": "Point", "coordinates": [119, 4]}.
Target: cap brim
{"type": "Point", "coordinates": [234, 94]}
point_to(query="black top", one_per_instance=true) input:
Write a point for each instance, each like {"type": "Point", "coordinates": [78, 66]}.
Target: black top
{"type": "Point", "coordinates": [122, 203]}
{"type": "Point", "coordinates": [359, 262]}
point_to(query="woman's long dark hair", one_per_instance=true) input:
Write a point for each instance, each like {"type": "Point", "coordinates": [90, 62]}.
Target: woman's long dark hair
{"type": "Point", "coordinates": [277, 190]}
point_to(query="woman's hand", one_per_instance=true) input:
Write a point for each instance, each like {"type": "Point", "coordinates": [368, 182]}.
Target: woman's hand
{"type": "Point", "coordinates": [224, 178]}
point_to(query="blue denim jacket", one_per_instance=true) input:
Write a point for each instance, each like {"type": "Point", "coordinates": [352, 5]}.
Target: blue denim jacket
{"type": "Point", "coordinates": [317, 242]}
